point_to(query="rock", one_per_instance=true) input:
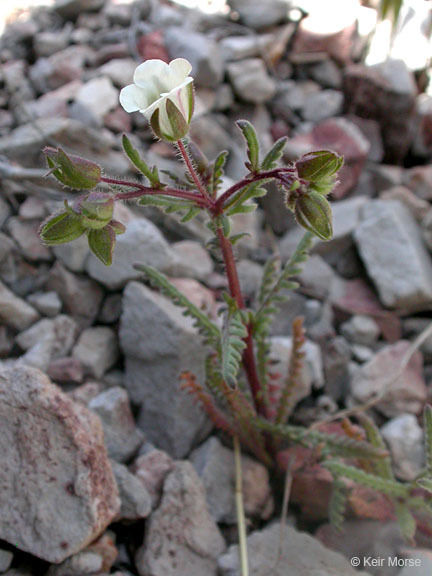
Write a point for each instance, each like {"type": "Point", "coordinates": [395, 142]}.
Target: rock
{"type": "Point", "coordinates": [288, 310]}
{"type": "Point", "coordinates": [215, 466]}
{"type": "Point", "coordinates": [327, 73]}
{"type": "Point", "coordinates": [111, 309]}
{"type": "Point", "coordinates": [250, 276]}
{"type": "Point", "coordinates": [81, 296]}
{"type": "Point", "coordinates": [406, 393]}
{"type": "Point", "coordinates": [291, 97]}
{"type": "Point", "coordinates": [201, 51]}
{"type": "Point", "coordinates": [94, 99]}
{"type": "Point", "coordinates": [336, 355]}
{"type": "Point", "coordinates": [168, 416]}
{"type": "Point", "coordinates": [122, 438]}
{"type": "Point", "coordinates": [361, 330]}
{"type": "Point", "coordinates": [14, 311]}
{"type": "Point", "coordinates": [105, 546]}
{"type": "Point", "coordinates": [119, 70]}
{"type": "Point", "coordinates": [422, 143]}
{"type": "Point", "coordinates": [70, 9]}
{"type": "Point", "coordinates": [364, 539]}
{"type": "Point", "coordinates": [135, 500]}
{"type": "Point", "coordinates": [342, 136]}
{"type": "Point", "coordinates": [298, 553]}
{"type": "Point", "coordinates": [47, 42]}
{"type": "Point", "coordinates": [60, 68]}
{"type": "Point", "coordinates": [312, 374]}
{"type": "Point", "coordinates": [181, 537]}
{"type": "Point", "coordinates": [404, 438]}
{"type": "Point", "coordinates": [250, 80]}
{"type": "Point", "coordinates": [249, 46]}
{"type": "Point", "coordinates": [59, 492]}
{"type": "Point", "coordinates": [395, 257]}
{"type": "Point", "coordinates": [417, 206]}
{"type": "Point", "coordinates": [254, 14]}
{"type": "Point", "coordinates": [152, 468]}
{"type": "Point", "coordinates": [65, 371]}
{"type": "Point", "coordinates": [316, 277]}
{"type": "Point", "coordinates": [155, 251]}
{"type": "Point", "coordinates": [385, 92]}
{"type": "Point", "coordinates": [47, 303]}
{"type": "Point", "coordinates": [322, 105]}
{"type": "Point", "coordinates": [419, 180]}
{"type": "Point", "coordinates": [85, 562]}
{"type": "Point", "coordinates": [421, 563]}
{"type": "Point", "coordinates": [97, 350]}
{"type": "Point", "coordinates": [193, 260]}
{"type": "Point", "coordinates": [73, 254]}
{"type": "Point", "coordinates": [27, 238]}
{"type": "Point", "coordinates": [6, 557]}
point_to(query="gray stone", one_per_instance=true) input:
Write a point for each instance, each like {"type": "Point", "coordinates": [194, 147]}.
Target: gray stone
{"type": "Point", "coordinates": [97, 350]}
{"type": "Point", "coordinates": [215, 466]}
{"type": "Point", "coordinates": [181, 537]}
{"type": "Point", "coordinates": [201, 51]}
{"type": "Point", "coordinates": [322, 105]}
{"type": "Point", "coordinates": [255, 14]}
{"type": "Point", "coordinates": [395, 257]}
{"type": "Point", "coordinates": [6, 557]}
{"type": "Point", "coordinates": [327, 73]}
{"type": "Point", "coordinates": [58, 491]}
{"type": "Point", "coordinates": [95, 99]}
{"type": "Point", "coordinates": [361, 330]}
{"type": "Point", "coordinates": [4, 211]}
{"type": "Point", "coordinates": [83, 563]}
{"type": "Point", "coordinates": [316, 277]}
{"type": "Point", "coordinates": [250, 276]}
{"type": "Point", "coordinates": [119, 70]}
{"type": "Point", "coordinates": [142, 242]}
{"type": "Point", "coordinates": [81, 296]}
{"type": "Point", "coordinates": [298, 553]}
{"type": "Point", "coordinates": [292, 95]}
{"type": "Point", "coordinates": [135, 500]}
{"type": "Point", "coordinates": [73, 254]}
{"type": "Point", "coordinates": [47, 303]}
{"type": "Point", "coordinates": [122, 438]}
{"type": "Point", "coordinates": [193, 260]}
{"type": "Point", "coordinates": [152, 467]}
{"type": "Point", "coordinates": [61, 332]}
{"type": "Point", "coordinates": [72, 8]}
{"type": "Point", "coordinates": [250, 80]}
{"type": "Point", "coordinates": [25, 234]}
{"type": "Point", "coordinates": [378, 379]}
{"type": "Point", "coordinates": [422, 563]}
{"type": "Point", "coordinates": [248, 46]}
{"type": "Point", "coordinates": [159, 344]}
{"type": "Point", "coordinates": [14, 311]}
{"type": "Point", "coordinates": [405, 441]}
{"type": "Point", "coordinates": [47, 42]}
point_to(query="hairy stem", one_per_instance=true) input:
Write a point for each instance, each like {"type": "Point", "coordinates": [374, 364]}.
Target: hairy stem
{"type": "Point", "coordinates": [241, 523]}
{"type": "Point", "coordinates": [185, 155]}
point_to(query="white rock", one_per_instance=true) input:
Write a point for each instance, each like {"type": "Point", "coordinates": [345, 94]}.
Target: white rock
{"type": "Point", "coordinates": [405, 441]}
{"type": "Point", "coordinates": [97, 350]}
{"type": "Point", "coordinates": [251, 81]}
{"type": "Point", "coordinates": [14, 311]}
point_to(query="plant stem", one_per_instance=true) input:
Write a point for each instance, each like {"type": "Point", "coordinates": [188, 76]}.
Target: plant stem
{"type": "Point", "coordinates": [185, 155]}
{"type": "Point", "coordinates": [241, 522]}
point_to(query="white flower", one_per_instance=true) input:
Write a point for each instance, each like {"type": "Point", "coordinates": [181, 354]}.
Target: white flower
{"type": "Point", "coordinates": [156, 86]}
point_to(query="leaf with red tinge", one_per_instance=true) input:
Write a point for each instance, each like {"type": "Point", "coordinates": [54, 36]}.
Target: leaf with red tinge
{"type": "Point", "coordinates": [101, 243]}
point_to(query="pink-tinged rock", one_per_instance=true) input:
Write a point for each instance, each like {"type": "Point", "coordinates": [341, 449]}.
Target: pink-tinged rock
{"type": "Point", "coordinates": [25, 234]}
{"type": "Point", "coordinates": [66, 370]}
{"type": "Point", "coordinates": [60, 68]}
{"type": "Point", "coordinates": [118, 121]}
{"type": "Point", "coordinates": [151, 469]}
{"type": "Point", "coordinates": [419, 180]}
{"type": "Point", "coordinates": [384, 92]}
{"type": "Point", "coordinates": [405, 393]}
{"type": "Point", "coordinates": [422, 144]}
{"type": "Point", "coordinates": [355, 297]}
{"type": "Point", "coordinates": [329, 28]}
{"type": "Point", "coordinates": [339, 135]}
{"type": "Point", "coordinates": [57, 489]}
{"type": "Point", "coordinates": [152, 45]}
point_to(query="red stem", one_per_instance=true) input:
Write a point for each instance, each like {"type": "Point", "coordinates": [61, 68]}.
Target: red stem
{"type": "Point", "coordinates": [200, 187]}
{"type": "Point", "coordinates": [142, 190]}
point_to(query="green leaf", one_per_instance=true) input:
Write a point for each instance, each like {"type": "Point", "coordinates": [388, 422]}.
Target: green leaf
{"type": "Point", "coordinates": [96, 210]}
{"type": "Point", "coordinates": [274, 154]}
{"type": "Point", "coordinates": [319, 165]}
{"type": "Point", "coordinates": [337, 504]}
{"type": "Point", "coordinates": [233, 345]}
{"type": "Point", "coordinates": [72, 171]}
{"type": "Point", "coordinates": [202, 322]}
{"type": "Point", "coordinates": [133, 155]}
{"type": "Point", "coordinates": [61, 228]}
{"type": "Point", "coordinates": [218, 171]}
{"type": "Point", "coordinates": [251, 138]}
{"type": "Point", "coordinates": [101, 243]}
{"type": "Point", "coordinates": [389, 487]}
{"type": "Point", "coordinates": [313, 212]}
{"type": "Point", "coordinates": [425, 483]}
{"type": "Point", "coordinates": [382, 466]}
{"type": "Point", "coordinates": [406, 521]}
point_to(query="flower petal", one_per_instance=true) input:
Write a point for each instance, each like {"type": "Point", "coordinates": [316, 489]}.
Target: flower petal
{"type": "Point", "coordinates": [179, 69]}
{"type": "Point", "coordinates": [150, 72]}
{"type": "Point", "coordinates": [133, 98]}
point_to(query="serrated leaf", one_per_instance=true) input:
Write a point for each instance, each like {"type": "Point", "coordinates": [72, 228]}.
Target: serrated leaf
{"type": "Point", "coordinates": [337, 505]}
{"type": "Point", "coordinates": [232, 346]}
{"type": "Point", "coordinates": [251, 138]}
{"type": "Point", "coordinates": [274, 154]}
{"type": "Point", "coordinates": [133, 155]}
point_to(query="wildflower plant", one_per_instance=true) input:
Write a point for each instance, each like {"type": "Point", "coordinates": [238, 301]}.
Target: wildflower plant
{"type": "Point", "coordinates": [238, 394]}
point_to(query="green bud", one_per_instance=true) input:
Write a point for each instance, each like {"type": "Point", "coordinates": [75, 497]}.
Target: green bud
{"type": "Point", "coordinates": [61, 228]}
{"type": "Point", "coordinates": [72, 171]}
{"type": "Point", "coordinates": [96, 210]}
{"type": "Point", "coordinates": [313, 212]}
{"type": "Point", "coordinates": [319, 165]}
{"type": "Point", "coordinates": [168, 123]}
{"type": "Point", "coordinates": [101, 243]}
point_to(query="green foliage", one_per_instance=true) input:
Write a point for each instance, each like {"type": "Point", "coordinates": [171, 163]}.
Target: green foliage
{"type": "Point", "coordinates": [382, 466]}
{"type": "Point", "coordinates": [152, 174]}
{"type": "Point", "coordinates": [274, 154]}
{"type": "Point", "coordinates": [218, 172]}
{"type": "Point", "coordinates": [61, 228]}
{"type": "Point", "coordinates": [202, 322]}
{"type": "Point", "coordinates": [337, 504]}
{"type": "Point", "coordinates": [252, 143]}
{"type": "Point", "coordinates": [312, 211]}
{"type": "Point", "coordinates": [172, 205]}
{"type": "Point", "coordinates": [406, 521]}
{"type": "Point", "coordinates": [390, 8]}
{"type": "Point", "coordinates": [72, 171]}
{"type": "Point", "coordinates": [101, 243]}
{"type": "Point", "coordinates": [233, 344]}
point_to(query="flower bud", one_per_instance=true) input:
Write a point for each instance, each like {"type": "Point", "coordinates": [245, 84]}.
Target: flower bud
{"type": "Point", "coordinates": [61, 228]}
{"type": "Point", "coordinates": [72, 171]}
{"type": "Point", "coordinates": [319, 169]}
{"type": "Point", "coordinates": [168, 123]}
{"type": "Point", "coordinates": [95, 210]}
{"type": "Point", "coordinates": [313, 212]}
